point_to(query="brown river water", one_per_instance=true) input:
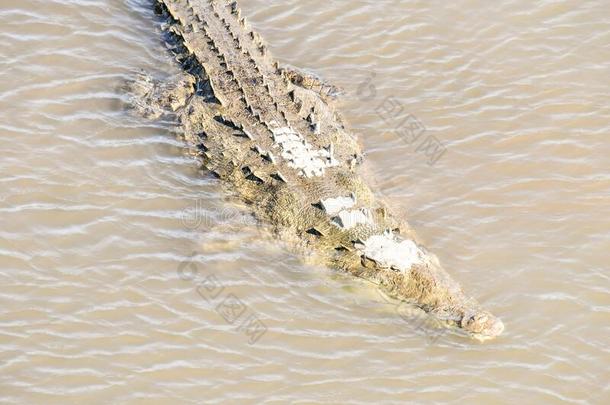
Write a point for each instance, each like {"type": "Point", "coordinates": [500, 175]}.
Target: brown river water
{"type": "Point", "coordinates": [119, 257]}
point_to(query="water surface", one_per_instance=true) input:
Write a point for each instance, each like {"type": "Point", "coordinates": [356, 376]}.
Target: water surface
{"type": "Point", "coordinates": [108, 226]}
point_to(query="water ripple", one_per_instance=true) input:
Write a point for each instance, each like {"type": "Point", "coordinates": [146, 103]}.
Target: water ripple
{"type": "Point", "coordinates": [94, 240]}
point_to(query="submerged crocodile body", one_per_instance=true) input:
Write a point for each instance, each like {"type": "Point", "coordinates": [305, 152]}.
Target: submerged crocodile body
{"type": "Point", "coordinates": [269, 133]}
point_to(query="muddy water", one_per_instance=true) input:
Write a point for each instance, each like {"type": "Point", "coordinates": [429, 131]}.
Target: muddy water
{"type": "Point", "coordinates": [117, 255]}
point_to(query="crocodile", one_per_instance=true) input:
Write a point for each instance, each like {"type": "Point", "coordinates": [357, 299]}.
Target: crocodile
{"type": "Point", "coordinates": [272, 133]}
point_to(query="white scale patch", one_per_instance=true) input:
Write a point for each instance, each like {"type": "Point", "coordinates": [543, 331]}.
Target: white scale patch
{"type": "Point", "coordinates": [333, 206]}
{"type": "Point", "coordinates": [350, 218]}
{"type": "Point", "coordinates": [301, 155]}
{"type": "Point", "coordinates": [387, 251]}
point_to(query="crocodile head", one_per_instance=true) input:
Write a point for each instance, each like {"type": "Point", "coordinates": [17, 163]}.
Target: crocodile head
{"type": "Point", "coordinates": [408, 271]}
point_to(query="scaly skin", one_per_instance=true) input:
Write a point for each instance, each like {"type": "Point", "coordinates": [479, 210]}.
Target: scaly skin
{"type": "Point", "coordinates": [283, 148]}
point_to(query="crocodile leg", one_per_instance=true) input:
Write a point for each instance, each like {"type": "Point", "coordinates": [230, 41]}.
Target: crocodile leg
{"type": "Point", "coordinates": [310, 81]}
{"type": "Point", "coordinates": [153, 98]}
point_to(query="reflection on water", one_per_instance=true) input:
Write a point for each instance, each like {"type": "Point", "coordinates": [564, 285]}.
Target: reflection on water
{"type": "Point", "coordinates": [130, 276]}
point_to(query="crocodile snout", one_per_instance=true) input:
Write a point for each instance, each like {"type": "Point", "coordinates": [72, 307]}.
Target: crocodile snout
{"type": "Point", "coordinates": [482, 325]}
